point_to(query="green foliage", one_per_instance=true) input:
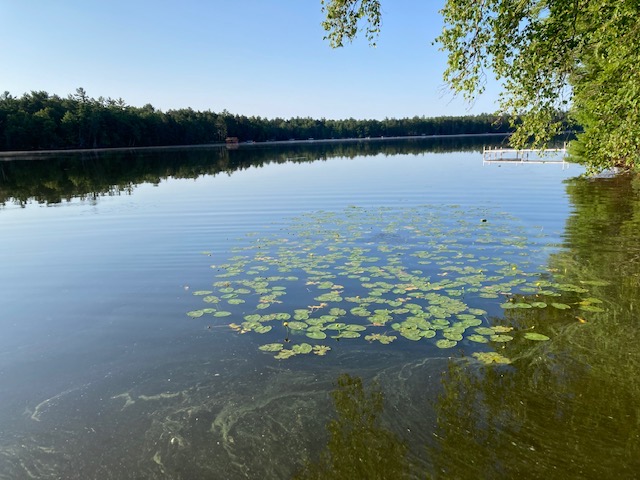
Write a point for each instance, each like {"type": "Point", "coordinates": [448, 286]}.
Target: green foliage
{"type": "Point", "coordinates": [39, 121]}
{"type": "Point", "coordinates": [549, 55]}
{"type": "Point", "coordinates": [343, 18]}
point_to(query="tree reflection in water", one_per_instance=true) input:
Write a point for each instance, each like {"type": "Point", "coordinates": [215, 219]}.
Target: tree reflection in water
{"type": "Point", "coordinates": [567, 408]}
{"type": "Point", "coordinates": [359, 447]}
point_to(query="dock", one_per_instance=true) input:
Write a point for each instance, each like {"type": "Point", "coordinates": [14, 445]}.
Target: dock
{"type": "Point", "coordinates": [526, 155]}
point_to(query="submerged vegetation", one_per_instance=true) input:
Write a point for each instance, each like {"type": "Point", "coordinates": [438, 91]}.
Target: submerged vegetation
{"type": "Point", "coordinates": [431, 274]}
{"type": "Point", "coordinates": [549, 416]}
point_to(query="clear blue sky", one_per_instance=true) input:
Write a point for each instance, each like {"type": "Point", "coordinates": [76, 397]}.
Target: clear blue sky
{"type": "Point", "coordinates": [251, 57]}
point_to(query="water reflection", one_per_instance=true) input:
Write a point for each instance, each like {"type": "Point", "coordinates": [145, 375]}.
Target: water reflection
{"type": "Point", "coordinates": [567, 408]}
{"type": "Point", "coordinates": [358, 447]}
{"type": "Point", "coordinates": [88, 176]}
{"type": "Point", "coordinates": [188, 404]}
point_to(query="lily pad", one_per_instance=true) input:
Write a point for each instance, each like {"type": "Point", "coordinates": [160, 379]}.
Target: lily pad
{"type": "Point", "coordinates": [536, 336]}
{"type": "Point", "coordinates": [477, 338]}
{"type": "Point", "coordinates": [539, 304]}
{"type": "Point", "coordinates": [302, 348]}
{"type": "Point", "coordinates": [347, 334]}
{"type": "Point", "coordinates": [283, 354]}
{"type": "Point", "coordinates": [446, 343]}
{"type": "Point", "coordinates": [316, 335]}
{"type": "Point", "coordinates": [321, 350]}
{"type": "Point", "coordinates": [501, 338]}
{"type": "Point", "coordinates": [384, 339]}
{"type": "Point", "coordinates": [271, 347]}
{"type": "Point", "coordinates": [491, 357]}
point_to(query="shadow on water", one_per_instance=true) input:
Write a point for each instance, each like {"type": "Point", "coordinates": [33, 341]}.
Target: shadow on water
{"type": "Point", "coordinates": [88, 176]}
{"type": "Point", "coordinates": [569, 407]}
{"type": "Point", "coordinates": [358, 446]}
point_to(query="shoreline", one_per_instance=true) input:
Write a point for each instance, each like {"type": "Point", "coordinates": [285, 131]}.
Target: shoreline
{"type": "Point", "coordinates": [32, 154]}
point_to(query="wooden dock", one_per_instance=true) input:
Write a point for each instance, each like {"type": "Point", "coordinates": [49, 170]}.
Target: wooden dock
{"type": "Point", "coordinates": [527, 155]}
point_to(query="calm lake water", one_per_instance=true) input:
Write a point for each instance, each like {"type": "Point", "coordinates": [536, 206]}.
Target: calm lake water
{"type": "Point", "coordinates": [365, 310]}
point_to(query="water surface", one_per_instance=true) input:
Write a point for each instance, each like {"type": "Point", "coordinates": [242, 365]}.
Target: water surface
{"type": "Point", "coordinates": [104, 375]}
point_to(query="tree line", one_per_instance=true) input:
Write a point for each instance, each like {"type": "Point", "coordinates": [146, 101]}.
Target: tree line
{"type": "Point", "coordinates": [40, 121]}
{"type": "Point", "coordinates": [89, 175]}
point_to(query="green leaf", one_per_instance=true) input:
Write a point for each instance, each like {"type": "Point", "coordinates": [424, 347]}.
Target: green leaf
{"type": "Point", "coordinates": [271, 347]}
{"type": "Point", "coordinates": [316, 335]}
{"type": "Point", "coordinates": [445, 343]}
{"type": "Point", "coordinates": [535, 336]}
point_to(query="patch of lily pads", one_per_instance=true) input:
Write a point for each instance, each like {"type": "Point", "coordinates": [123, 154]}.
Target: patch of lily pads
{"type": "Point", "coordinates": [426, 274]}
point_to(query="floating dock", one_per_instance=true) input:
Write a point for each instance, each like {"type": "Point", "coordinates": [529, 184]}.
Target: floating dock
{"type": "Point", "coordinates": [526, 155]}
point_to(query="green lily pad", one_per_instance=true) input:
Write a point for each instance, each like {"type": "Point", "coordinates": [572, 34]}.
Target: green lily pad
{"type": "Point", "coordinates": [384, 339]}
{"type": "Point", "coordinates": [195, 313]}
{"type": "Point", "coordinates": [283, 354]}
{"type": "Point", "coordinates": [590, 300]}
{"type": "Point", "coordinates": [355, 328]}
{"type": "Point", "coordinates": [535, 336]}
{"type": "Point", "coordinates": [316, 335]}
{"type": "Point", "coordinates": [484, 330]}
{"type": "Point", "coordinates": [561, 306]}
{"type": "Point", "coordinates": [478, 338]}
{"type": "Point", "coordinates": [501, 338]}
{"type": "Point", "coordinates": [321, 350]}
{"type": "Point", "coordinates": [452, 336]}
{"type": "Point", "coordinates": [446, 343]}
{"type": "Point", "coordinates": [411, 334]}
{"type": "Point", "coordinates": [347, 334]}
{"type": "Point", "coordinates": [491, 357]}
{"type": "Point", "coordinates": [336, 326]}
{"type": "Point", "coordinates": [302, 348]}
{"type": "Point", "coordinates": [271, 347]}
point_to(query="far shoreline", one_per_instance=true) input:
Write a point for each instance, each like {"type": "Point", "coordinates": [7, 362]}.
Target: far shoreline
{"type": "Point", "coordinates": [39, 154]}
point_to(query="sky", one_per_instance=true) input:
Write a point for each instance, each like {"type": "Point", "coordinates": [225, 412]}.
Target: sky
{"type": "Point", "coordinates": [252, 57]}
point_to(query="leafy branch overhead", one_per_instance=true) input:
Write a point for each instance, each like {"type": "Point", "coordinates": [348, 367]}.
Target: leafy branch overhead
{"type": "Point", "coordinates": [549, 55]}
{"type": "Point", "coordinates": [343, 19]}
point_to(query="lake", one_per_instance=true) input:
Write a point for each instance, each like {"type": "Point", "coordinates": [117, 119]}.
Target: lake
{"type": "Point", "coordinates": [388, 309]}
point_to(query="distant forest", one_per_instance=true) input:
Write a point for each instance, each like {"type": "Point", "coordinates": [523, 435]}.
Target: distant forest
{"type": "Point", "coordinates": [40, 121]}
